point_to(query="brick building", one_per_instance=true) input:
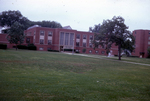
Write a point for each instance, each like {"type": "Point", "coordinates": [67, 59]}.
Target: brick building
{"type": "Point", "coordinates": [59, 39]}
{"type": "Point", "coordinates": [142, 43]}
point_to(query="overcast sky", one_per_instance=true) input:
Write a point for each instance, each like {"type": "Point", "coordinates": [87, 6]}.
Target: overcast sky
{"type": "Point", "coordinates": [82, 14]}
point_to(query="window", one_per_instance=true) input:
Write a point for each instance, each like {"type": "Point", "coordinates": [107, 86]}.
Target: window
{"type": "Point", "coordinates": [84, 44]}
{"type": "Point", "coordinates": [149, 43]}
{"type": "Point", "coordinates": [103, 52]}
{"type": "Point", "coordinates": [49, 42]}
{"type": "Point", "coordinates": [91, 37]}
{"type": "Point", "coordinates": [66, 38]}
{"type": "Point", "coordinates": [28, 40]}
{"type": "Point", "coordinates": [90, 45]}
{"type": "Point", "coordinates": [90, 51]}
{"type": "Point", "coordinates": [84, 36]}
{"type": "Point", "coordinates": [71, 38]}
{"type": "Point", "coordinates": [135, 32]}
{"type": "Point", "coordinates": [42, 33]}
{"type": "Point", "coordinates": [61, 38]}
{"type": "Point", "coordinates": [96, 52]}
{"type": "Point", "coordinates": [40, 48]}
{"type": "Point", "coordinates": [41, 41]}
{"type": "Point", "coordinates": [78, 36]}
{"type": "Point", "coordinates": [77, 44]}
{"type": "Point", "coordinates": [149, 38]}
{"type": "Point", "coordinates": [49, 33]}
{"type": "Point", "coordinates": [149, 32]}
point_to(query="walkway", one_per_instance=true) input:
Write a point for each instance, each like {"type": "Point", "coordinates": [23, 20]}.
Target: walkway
{"type": "Point", "coordinates": [104, 57]}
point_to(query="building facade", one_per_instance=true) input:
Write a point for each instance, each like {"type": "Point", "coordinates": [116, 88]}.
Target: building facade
{"type": "Point", "coordinates": [60, 39]}
{"type": "Point", "coordinates": [142, 43]}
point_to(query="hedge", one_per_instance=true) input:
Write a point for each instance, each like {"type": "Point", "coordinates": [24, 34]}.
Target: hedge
{"type": "Point", "coordinates": [3, 46]}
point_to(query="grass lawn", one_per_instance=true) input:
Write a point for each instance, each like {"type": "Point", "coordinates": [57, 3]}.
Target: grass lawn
{"type": "Point", "coordinates": [35, 75]}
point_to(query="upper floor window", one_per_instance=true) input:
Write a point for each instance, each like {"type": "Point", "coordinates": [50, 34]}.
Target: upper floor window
{"type": "Point", "coordinates": [149, 32]}
{"type": "Point", "coordinates": [78, 36]}
{"type": "Point", "coordinates": [49, 33]}
{"type": "Point", "coordinates": [135, 32]}
{"type": "Point", "coordinates": [90, 45]}
{"type": "Point", "coordinates": [91, 37]}
{"type": "Point", "coordinates": [42, 33]}
{"type": "Point", "coordinates": [84, 36]}
{"type": "Point", "coordinates": [149, 38]}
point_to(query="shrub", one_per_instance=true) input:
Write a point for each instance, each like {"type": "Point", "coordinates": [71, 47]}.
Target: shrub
{"type": "Point", "coordinates": [3, 46]}
{"type": "Point", "coordinates": [84, 50]}
{"type": "Point", "coordinates": [68, 49]}
{"type": "Point", "coordinates": [52, 50]}
{"type": "Point", "coordinates": [31, 47]}
{"type": "Point", "coordinates": [22, 47]}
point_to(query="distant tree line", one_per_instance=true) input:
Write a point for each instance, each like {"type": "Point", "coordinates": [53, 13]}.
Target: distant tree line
{"type": "Point", "coordinates": [8, 18]}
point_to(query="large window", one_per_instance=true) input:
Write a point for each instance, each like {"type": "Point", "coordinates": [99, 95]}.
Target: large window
{"type": "Point", "coordinates": [66, 38]}
{"type": "Point", "coordinates": [61, 38]}
{"type": "Point", "coordinates": [71, 38]}
{"type": "Point", "coordinates": [41, 41]}
{"type": "Point", "coordinates": [42, 33]}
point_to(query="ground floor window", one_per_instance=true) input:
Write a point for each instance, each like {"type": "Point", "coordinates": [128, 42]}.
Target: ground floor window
{"type": "Point", "coordinates": [96, 52]}
{"type": "Point", "coordinates": [90, 51]}
{"type": "Point", "coordinates": [40, 48]}
{"type": "Point", "coordinates": [103, 52]}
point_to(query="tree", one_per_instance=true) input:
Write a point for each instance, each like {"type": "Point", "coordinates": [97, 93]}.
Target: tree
{"type": "Point", "coordinates": [114, 31]}
{"type": "Point", "coordinates": [8, 18]}
{"type": "Point", "coordinates": [50, 24]}
{"type": "Point", "coordinates": [16, 34]}
{"type": "Point", "coordinates": [95, 29]}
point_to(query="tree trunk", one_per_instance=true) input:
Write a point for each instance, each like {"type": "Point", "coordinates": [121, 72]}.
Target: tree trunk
{"type": "Point", "coordinates": [119, 49]}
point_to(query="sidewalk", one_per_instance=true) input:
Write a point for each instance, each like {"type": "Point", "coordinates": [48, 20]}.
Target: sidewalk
{"type": "Point", "coordinates": [106, 58]}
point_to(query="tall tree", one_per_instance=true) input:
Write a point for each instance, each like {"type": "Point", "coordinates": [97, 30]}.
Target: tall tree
{"type": "Point", "coordinates": [8, 18]}
{"type": "Point", "coordinates": [95, 29]}
{"type": "Point", "coordinates": [16, 34]}
{"type": "Point", "coordinates": [114, 31]}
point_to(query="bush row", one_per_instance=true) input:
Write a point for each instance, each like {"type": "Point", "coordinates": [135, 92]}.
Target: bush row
{"type": "Point", "coordinates": [29, 47]}
{"type": "Point", "coordinates": [3, 46]}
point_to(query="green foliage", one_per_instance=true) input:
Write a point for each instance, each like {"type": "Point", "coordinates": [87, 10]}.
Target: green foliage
{"type": "Point", "coordinates": [50, 24]}
{"type": "Point", "coordinates": [3, 46]}
{"type": "Point", "coordinates": [84, 50]}
{"type": "Point", "coordinates": [95, 29]}
{"type": "Point", "coordinates": [31, 47]}
{"type": "Point", "coordinates": [114, 31]}
{"type": "Point", "coordinates": [22, 47]}
{"type": "Point", "coordinates": [16, 34]}
{"type": "Point", "coordinates": [8, 18]}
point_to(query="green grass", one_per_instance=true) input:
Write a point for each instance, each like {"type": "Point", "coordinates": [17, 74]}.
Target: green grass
{"type": "Point", "coordinates": [34, 75]}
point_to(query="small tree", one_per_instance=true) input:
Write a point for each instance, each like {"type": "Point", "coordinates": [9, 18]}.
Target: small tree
{"type": "Point", "coordinates": [114, 32]}
{"type": "Point", "coordinates": [15, 34]}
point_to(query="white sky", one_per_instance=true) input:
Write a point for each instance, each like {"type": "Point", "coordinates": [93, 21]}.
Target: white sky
{"type": "Point", "coordinates": [82, 14]}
